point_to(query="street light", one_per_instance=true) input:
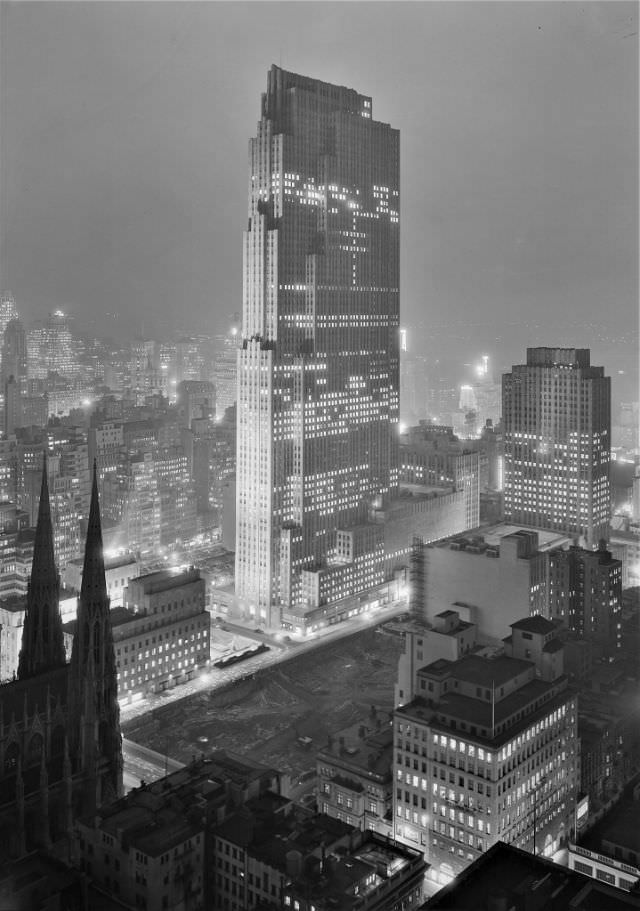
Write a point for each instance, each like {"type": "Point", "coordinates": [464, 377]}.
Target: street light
{"type": "Point", "coordinates": [541, 784]}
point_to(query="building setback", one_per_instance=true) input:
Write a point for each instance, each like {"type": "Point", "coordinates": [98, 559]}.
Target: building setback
{"type": "Point", "coordinates": [318, 368]}
{"type": "Point", "coordinates": [556, 414]}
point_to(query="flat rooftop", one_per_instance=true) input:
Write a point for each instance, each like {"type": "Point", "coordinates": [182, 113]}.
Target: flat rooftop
{"type": "Point", "coordinates": [485, 672]}
{"type": "Point", "coordinates": [369, 754]}
{"type": "Point", "coordinates": [478, 714]}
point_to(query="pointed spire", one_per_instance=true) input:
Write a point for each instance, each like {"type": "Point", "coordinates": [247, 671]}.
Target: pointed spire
{"type": "Point", "coordinates": [93, 576]}
{"type": "Point", "coordinates": [44, 564]}
{"type": "Point", "coordinates": [42, 639]}
{"type": "Point", "coordinates": [93, 682]}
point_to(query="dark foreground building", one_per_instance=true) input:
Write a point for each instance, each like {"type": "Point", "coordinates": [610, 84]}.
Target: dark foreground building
{"type": "Point", "coordinates": [506, 878]}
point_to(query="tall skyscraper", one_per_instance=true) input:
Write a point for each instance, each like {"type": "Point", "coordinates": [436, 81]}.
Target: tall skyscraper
{"type": "Point", "coordinates": [556, 412]}
{"type": "Point", "coordinates": [318, 374]}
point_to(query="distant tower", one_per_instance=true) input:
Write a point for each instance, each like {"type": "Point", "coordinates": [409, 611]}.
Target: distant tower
{"type": "Point", "coordinates": [14, 354]}
{"type": "Point", "coordinates": [556, 412]}
{"type": "Point", "coordinates": [8, 311]}
{"type": "Point", "coordinates": [42, 640]}
{"type": "Point", "coordinates": [96, 742]}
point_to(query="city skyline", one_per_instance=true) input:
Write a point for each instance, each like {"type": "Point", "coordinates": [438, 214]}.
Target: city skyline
{"type": "Point", "coordinates": [519, 157]}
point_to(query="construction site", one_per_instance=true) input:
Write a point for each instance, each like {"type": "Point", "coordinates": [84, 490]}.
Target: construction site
{"type": "Point", "coordinates": [280, 715]}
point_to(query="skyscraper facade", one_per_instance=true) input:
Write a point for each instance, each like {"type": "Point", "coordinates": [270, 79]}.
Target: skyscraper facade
{"type": "Point", "coordinates": [318, 364]}
{"type": "Point", "coordinates": [556, 412]}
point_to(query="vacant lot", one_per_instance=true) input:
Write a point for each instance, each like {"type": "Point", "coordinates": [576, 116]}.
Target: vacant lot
{"type": "Point", "coordinates": [309, 696]}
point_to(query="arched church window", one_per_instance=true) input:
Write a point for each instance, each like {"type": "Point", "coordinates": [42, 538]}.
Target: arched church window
{"type": "Point", "coordinates": [34, 750]}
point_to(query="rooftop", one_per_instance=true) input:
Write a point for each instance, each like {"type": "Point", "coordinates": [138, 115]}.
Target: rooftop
{"type": "Point", "coordinates": [508, 877]}
{"type": "Point", "coordinates": [535, 624]}
{"type": "Point", "coordinates": [365, 755]}
{"type": "Point", "coordinates": [619, 826]}
{"type": "Point", "coordinates": [164, 579]}
{"type": "Point", "coordinates": [486, 672]}
{"type": "Point", "coordinates": [477, 714]}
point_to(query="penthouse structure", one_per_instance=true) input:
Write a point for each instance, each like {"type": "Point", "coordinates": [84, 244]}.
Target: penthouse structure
{"type": "Point", "coordinates": [487, 750]}
{"type": "Point", "coordinates": [556, 414]}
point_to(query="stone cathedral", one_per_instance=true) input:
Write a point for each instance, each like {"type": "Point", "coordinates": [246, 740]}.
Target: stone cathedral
{"type": "Point", "coordinates": [60, 741]}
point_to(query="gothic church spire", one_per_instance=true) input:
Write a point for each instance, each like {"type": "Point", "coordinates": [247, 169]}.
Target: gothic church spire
{"type": "Point", "coordinates": [96, 740]}
{"type": "Point", "coordinates": [42, 640]}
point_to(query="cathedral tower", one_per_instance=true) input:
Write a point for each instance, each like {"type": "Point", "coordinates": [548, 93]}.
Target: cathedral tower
{"type": "Point", "coordinates": [42, 640]}
{"type": "Point", "coordinates": [96, 742]}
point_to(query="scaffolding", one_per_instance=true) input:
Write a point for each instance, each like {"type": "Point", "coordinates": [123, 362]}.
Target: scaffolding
{"type": "Point", "coordinates": [417, 580]}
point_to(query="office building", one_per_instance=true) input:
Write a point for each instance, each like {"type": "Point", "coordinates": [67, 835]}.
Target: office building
{"type": "Point", "coordinates": [196, 400]}
{"type": "Point", "coordinates": [8, 311]}
{"type": "Point", "coordinates": [194, 358]}
{"type": "Point", "coordinates": [585, 595]}
{"type": "Point", "coordinates": [318, 382]}
{"type": "Point", "coordinates": [488, 751]}
{"type": "Point", "coordinates": [14, 354]}
{"type": "Point", "coordinates": [161, 635]}
{"type": "Point", "coordinates": [556, 413]}
{"type": "Point", "coordinates": [434, 457]}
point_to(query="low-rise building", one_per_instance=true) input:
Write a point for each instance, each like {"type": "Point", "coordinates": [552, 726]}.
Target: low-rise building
{"type": "Point", "coordinates": [152, 848]}
{"type": "Point", "coordinates": [274, 854]}
{"type": "Point", "coordinates": [354, 779]}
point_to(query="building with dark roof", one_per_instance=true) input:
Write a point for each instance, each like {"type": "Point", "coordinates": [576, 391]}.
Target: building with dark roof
{"type": "Point", "coordinates": [274, 854]}
{"type": "Point", "coordinates": [354, 780]}
{"type": "Point", "coordinates": [153, 848]}
{"type": "Point", "coordinates": [505, 878]}
{"type": "Point", "coordinates": [609, 850]}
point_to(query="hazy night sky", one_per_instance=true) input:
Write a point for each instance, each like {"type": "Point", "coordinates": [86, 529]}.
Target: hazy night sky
{"type": "Point", "coordinates": [124, 154]}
